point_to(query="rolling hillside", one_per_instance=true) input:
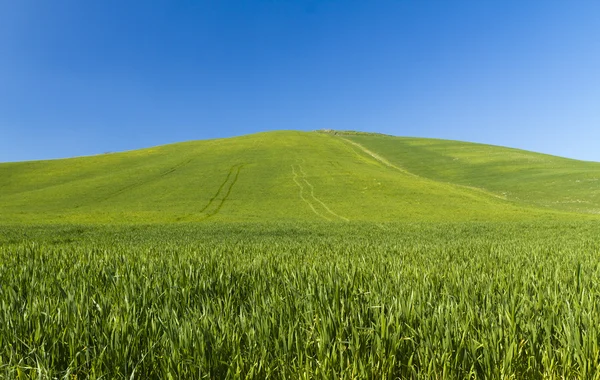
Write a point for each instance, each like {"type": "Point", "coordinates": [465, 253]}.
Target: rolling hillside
{"type": "Point", "coordinates": [301, 176]}
{"type": "Point", "coordinates": [525, 177]}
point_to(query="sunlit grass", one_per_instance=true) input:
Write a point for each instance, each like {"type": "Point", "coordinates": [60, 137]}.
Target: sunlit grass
{"type": "Point", "coordinates": [250, 178]}
{"type": "Point", "coordinates": [435, 301]}
{"type": "Point", "coordinates": [522, 177]}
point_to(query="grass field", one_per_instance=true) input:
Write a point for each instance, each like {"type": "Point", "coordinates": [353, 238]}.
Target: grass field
{"type": "Point", "coordinates": [525, 177]}
{"type": "Point", "coordinates": [325, 300]}
{"type": "Point", "coordinates": [294, 176]}
{"type": "Point", "coordinates": [301, 255]}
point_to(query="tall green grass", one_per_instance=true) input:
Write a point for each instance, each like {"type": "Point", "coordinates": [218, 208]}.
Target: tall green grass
{"type": "Point", "coordinates": [347, 300]}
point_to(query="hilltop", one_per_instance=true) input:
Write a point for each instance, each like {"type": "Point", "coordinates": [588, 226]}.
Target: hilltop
{"type": "Point", "coordinates": [302, 176]}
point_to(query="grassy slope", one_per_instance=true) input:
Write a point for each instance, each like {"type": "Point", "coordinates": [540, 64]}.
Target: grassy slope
{"type": "Point", "coordinates": [251, 178]}
{"type": "Point", "coordinates": [525, 177]}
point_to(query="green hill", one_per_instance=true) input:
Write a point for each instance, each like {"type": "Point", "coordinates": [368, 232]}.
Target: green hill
{"type": "Point", "coordinates": [301, 176]}
{"type": "Point", "coordinates": [525, 177]}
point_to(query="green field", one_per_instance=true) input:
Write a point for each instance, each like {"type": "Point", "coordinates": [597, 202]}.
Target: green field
{"type": "Point", "coordinates": [301, 176]}
{"type": "Point", "coordinates": [301, 255]}
{"type": "Point", "coordinates": [325, 300]}
{"type": "Point", "coordinates": [526, 177]}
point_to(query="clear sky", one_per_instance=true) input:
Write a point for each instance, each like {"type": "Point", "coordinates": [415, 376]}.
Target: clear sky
{"type": "Point", "coordinates": [87, 77]}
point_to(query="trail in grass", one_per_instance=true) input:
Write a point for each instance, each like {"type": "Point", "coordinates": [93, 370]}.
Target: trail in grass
{"type": "Point", "coordinates": [389, 164]}
{"type": "Point", "coordinates": [312, 194]}
{"type": "Point", "coordinates": [145, 181]}
{"type": "Point", "coordinates": [215, 204]}
{"type": "Point", "coordinates": [377, 157]}
{"type": "Point", "coordinates": [295, 178]}
{"type": "Point", "coordinates": [299, 177]}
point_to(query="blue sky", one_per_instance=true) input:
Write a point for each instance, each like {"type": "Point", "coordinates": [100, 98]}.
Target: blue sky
{"type": "Point", "coordinates": [87, 77]}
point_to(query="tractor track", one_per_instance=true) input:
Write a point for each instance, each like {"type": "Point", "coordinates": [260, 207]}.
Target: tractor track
{"type": "Point", "coordinates": [146, 181]}
{"type": "Point", "coordinates": [299, 179]}
{"type": "Point", "coordinates": [224, 189]}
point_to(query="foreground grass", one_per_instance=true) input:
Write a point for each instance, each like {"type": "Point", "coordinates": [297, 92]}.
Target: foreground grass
{"type": "Point", "coordinates": [470, 300]}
